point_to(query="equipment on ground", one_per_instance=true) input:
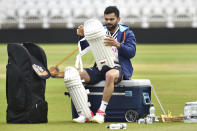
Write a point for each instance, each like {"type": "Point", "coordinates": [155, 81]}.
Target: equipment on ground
{"type": "Point", "coordinates": [25, 84]}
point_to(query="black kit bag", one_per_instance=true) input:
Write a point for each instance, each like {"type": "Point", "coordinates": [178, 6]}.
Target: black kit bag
{"type": "Point", "coordinates": [25, 84]}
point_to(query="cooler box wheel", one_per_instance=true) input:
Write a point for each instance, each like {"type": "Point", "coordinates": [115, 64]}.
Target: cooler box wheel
{"type": "Point", "coordinates": [131, 116]}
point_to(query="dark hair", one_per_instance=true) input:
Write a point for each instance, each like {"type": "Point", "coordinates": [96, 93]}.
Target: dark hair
{"type": "Point", "coordinates": [112, 9]}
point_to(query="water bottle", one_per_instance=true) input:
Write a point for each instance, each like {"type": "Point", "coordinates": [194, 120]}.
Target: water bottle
{"type": "Point", "coordinates": [152, 112]}
{"type": "Point", "coordinates": [117, 126]}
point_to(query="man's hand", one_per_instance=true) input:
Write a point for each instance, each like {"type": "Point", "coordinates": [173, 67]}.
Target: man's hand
{"type": "Point", "coordinates": [110, 41]}
{"type": "Point", "coordinates": [80, 30]}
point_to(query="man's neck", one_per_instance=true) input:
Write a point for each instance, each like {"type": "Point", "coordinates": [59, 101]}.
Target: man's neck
{"type": "Point", "coordinates": [112, 31]}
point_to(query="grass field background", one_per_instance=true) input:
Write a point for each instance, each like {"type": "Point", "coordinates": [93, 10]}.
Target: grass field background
{"type": "Point", "coordinates": [172, 69]}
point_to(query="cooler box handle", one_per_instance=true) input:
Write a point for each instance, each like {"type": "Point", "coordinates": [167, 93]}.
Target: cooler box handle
{"type": "Point", "coordinates": [128, 93]}
{"type": "Point", "coordinates": [146, 98]}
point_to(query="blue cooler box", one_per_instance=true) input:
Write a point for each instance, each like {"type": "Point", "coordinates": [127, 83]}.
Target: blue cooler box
{"type": "Point", "coordinates": [130, 101]}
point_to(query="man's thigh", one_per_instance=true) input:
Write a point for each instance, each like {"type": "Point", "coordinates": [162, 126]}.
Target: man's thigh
{"type": "Point", "coordinates": [95, 75]}
{"type": "Point", "coordinates": [117, 73]}
{"type": "Point", "coordinates": [85, 76]}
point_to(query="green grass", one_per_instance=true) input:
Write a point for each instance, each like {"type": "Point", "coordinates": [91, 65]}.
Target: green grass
{"type": "Point", "coordinates": [172, 70]}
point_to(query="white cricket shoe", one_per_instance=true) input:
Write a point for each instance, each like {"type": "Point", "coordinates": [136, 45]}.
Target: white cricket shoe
{"type": "Point", "coordinates": [99, 117]}
{"type": "Point", "coordinates": [83, 119]}
{"type": "Point", "coordinates": [80, 119]}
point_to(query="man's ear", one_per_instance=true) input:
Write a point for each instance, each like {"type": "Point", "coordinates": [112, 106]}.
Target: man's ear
{"type": "Point", "coordinates": [118, 19]}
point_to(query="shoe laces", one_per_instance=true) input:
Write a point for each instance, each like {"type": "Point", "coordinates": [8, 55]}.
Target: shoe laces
{"type": "Point", "coordinates": [99, 112]}
{"type": "Point", "coordinates": [92, 114]}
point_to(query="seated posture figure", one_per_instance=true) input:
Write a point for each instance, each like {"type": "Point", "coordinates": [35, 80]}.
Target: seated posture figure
{"type": "Point", "coordinates": [123, 43]}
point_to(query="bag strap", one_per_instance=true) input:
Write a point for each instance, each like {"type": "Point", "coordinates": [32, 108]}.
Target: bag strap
{"type": "Point", "coordinates": [124, 38]}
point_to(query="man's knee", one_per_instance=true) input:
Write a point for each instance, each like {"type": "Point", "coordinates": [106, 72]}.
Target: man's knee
{"type": "Point", "coordinates": [110, 76]}
{"type": "Point", "coordinates": [84, 76]}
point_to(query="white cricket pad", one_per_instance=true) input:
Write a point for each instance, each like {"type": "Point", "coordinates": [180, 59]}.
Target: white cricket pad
{"type": "Point", "coordinates": [77, 91]}
{"type": "Point", "coordinates": [95, 33]}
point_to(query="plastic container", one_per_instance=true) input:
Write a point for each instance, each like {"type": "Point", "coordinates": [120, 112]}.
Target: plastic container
{"type": "Point", "coordinates": [152, 110]}
{"type": "Point", "coordinates": [190, 112]}
{"type": "Point", "coordinates": [117, 126]}
{"type": "Point", "coordinates": [152, 113]}
{"type": "Point", "coordinates": [141, 121]}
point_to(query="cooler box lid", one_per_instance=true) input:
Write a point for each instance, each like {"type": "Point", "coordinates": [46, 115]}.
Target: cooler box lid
{"type": "Point", "coordinates": [124, 83]}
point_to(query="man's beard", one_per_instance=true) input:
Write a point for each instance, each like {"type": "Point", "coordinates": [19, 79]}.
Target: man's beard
{"type": "Point", "coordinates": [112, 27]}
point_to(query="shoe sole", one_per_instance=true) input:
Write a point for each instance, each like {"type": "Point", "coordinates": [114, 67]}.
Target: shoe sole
{"type": "Point", "coordinates": [77, 121]}
{"type": "Point", "coordinates": [96, 121]}
{"type": "Point", "coordinates": [81, 122]}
